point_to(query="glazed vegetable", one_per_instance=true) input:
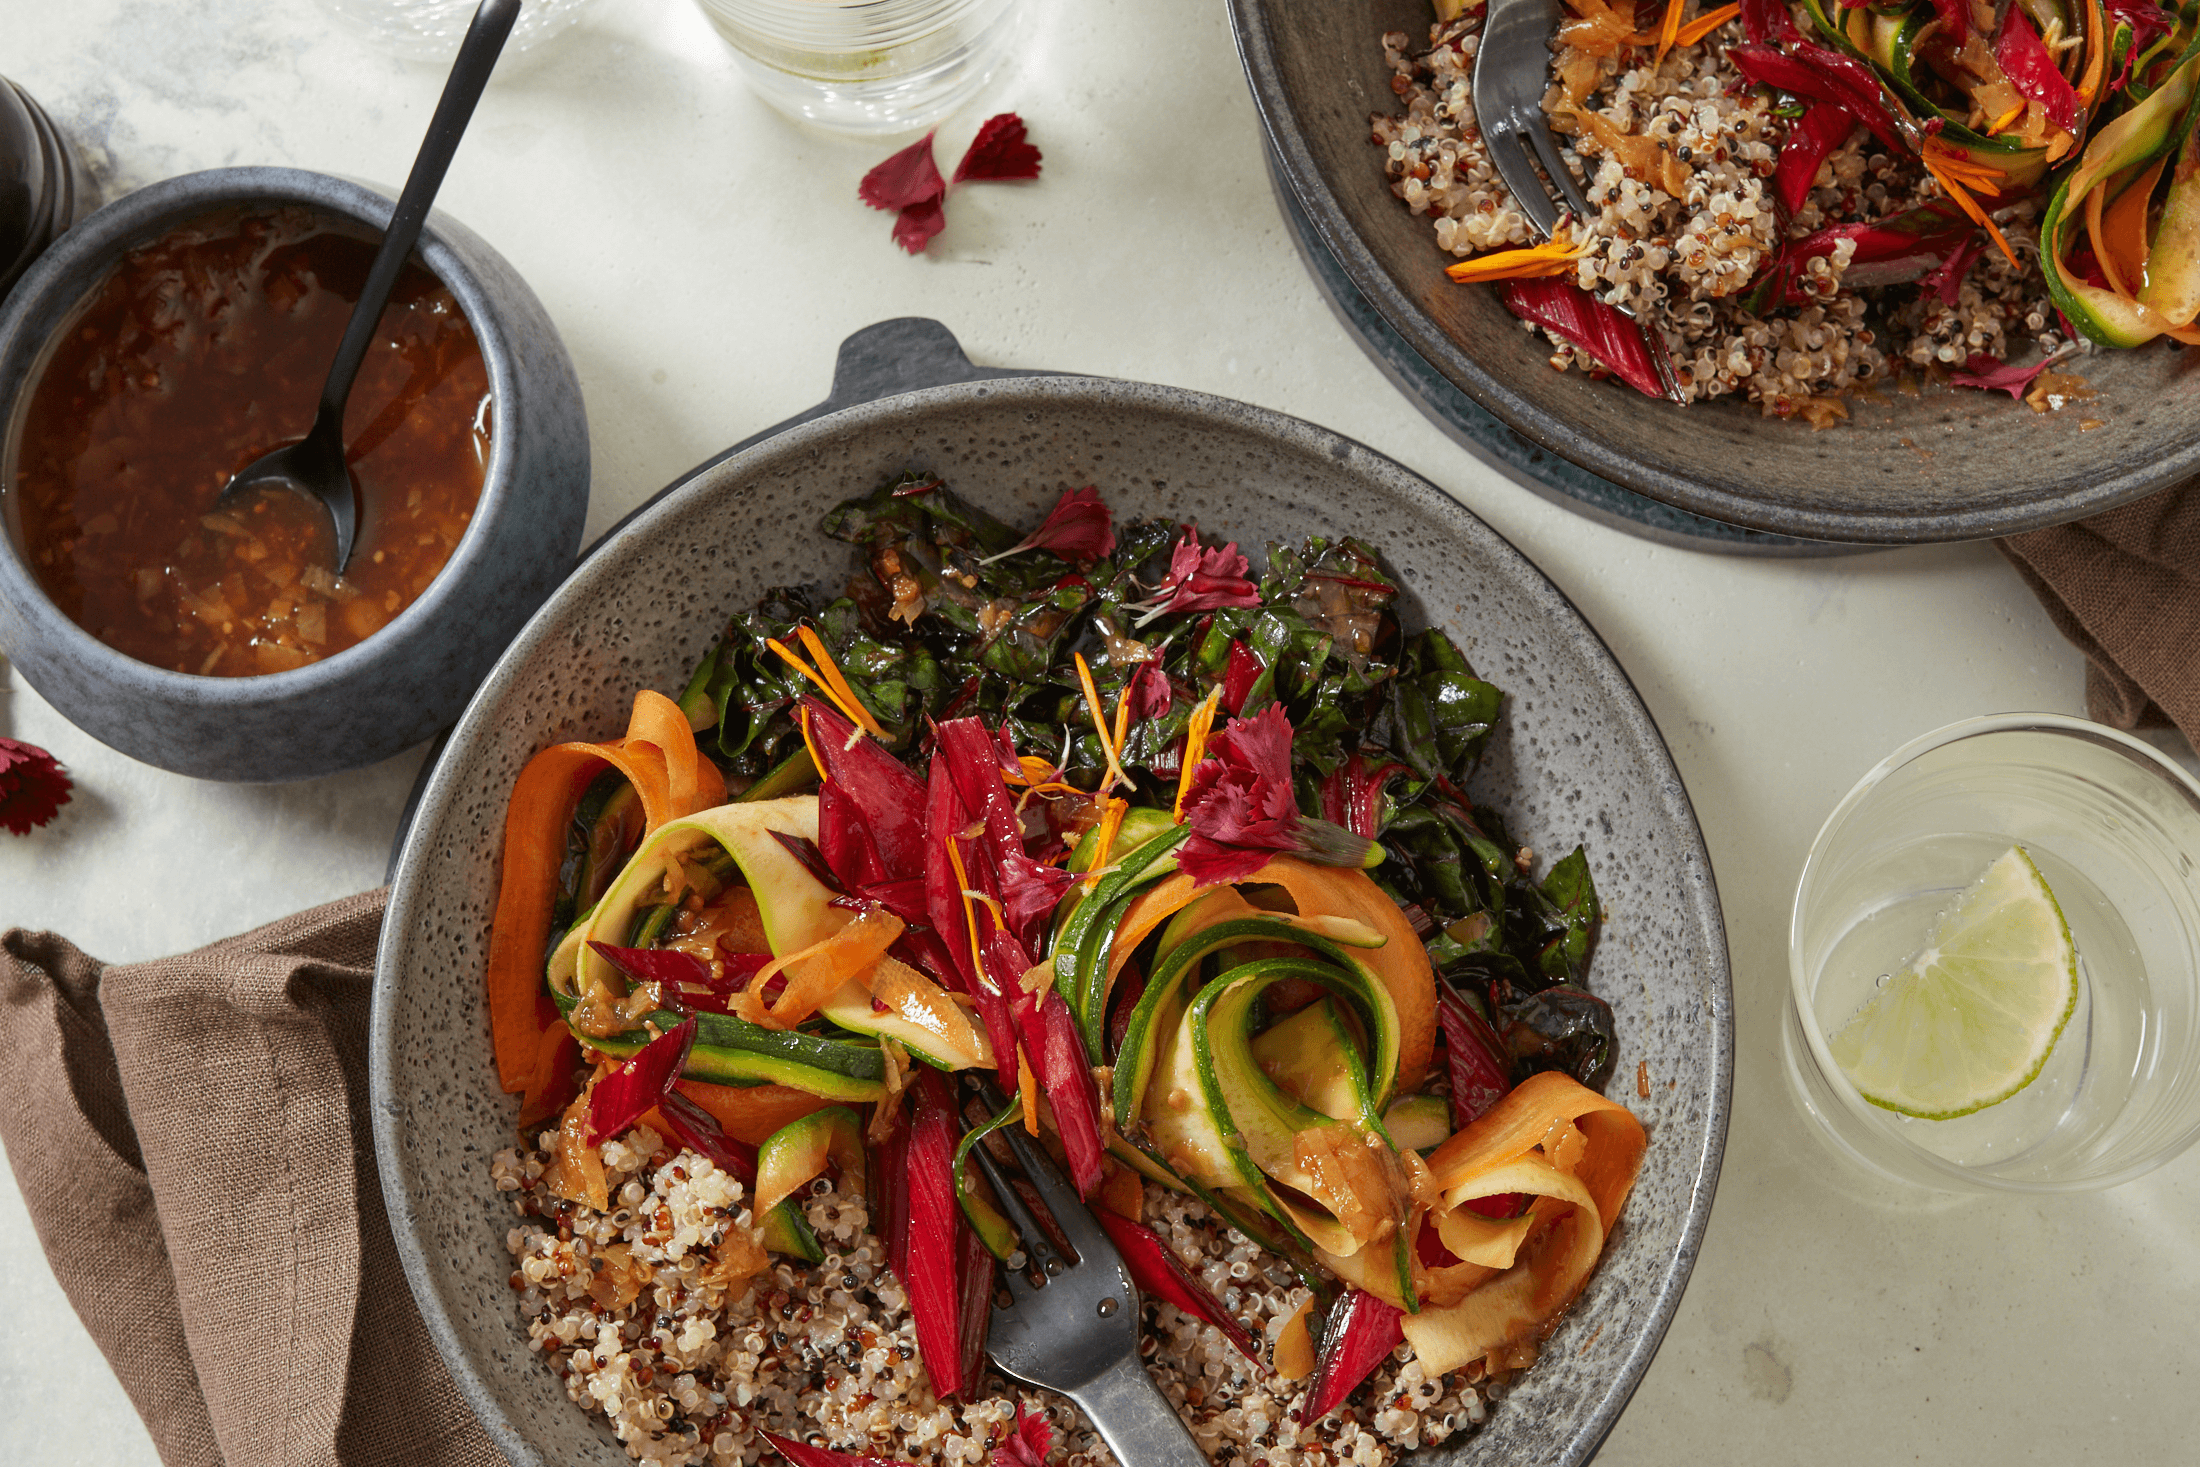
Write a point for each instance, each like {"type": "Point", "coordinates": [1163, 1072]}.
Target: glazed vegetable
{"type": "Point", "coordinates": [658, 760]}
{"type": "Point", "coordinates": [1361, 1332]}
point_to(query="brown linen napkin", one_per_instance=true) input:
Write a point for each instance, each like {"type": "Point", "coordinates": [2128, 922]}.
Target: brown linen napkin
{"type": "Point", "coordinates": [191, 1137]}
{"type": "Point", "coordinates": [2125, 587]}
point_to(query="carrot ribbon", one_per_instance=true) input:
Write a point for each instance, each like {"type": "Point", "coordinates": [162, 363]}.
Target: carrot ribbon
{"type": "Point", "coordinates": [658, 757]}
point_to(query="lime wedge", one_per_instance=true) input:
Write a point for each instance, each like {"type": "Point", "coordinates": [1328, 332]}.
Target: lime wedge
{"type": "Point", "coordinates": [1969, 1021]}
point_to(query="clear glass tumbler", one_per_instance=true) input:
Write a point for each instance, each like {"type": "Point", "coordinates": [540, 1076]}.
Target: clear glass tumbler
{"type": "Point", "coordinates": [867, 66]}
{"type": "Point", "coordinates": [2115, 829]}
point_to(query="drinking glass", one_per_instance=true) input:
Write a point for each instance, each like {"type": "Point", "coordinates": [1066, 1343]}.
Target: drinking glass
{"type": "Point", "coordinates": [867, 66]}
{"type": "Point", "coordinates": [2115, 830]}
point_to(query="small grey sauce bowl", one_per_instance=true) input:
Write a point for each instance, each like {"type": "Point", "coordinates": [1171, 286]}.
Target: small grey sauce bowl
{"type": "Point", "coordinates": [412, 677]}
{"type": "Point", "coordinates": [1576, 758]}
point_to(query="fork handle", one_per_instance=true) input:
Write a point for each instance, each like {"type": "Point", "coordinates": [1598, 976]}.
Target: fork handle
{"type": "Point", "coordinates": [1140, 1425]}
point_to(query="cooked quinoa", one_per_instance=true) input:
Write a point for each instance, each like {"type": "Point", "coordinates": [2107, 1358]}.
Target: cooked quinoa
{"type": "Point", "coordinates": [664, 1316]}
{"type": "Point", "coordinates": [1680, 259]}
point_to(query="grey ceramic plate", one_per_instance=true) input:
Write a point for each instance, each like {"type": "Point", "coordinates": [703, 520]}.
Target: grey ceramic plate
{"type": "Point", "coordinates": [1578, 760]}
{"type": "Point", "coordinates": [1952, 465]}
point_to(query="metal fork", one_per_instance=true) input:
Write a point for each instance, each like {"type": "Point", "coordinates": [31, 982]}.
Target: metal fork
{"type": "Point", "coordinates": [1512, 70]}
{"type": "Point", "coordinates": [1076, 1329]}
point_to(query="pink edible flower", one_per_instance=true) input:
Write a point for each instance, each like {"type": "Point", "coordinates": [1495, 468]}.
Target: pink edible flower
{"type": "Point", "coordinates": [909, 185]}
{"type": "Point", "coordinates": [1241, 809]}
{"type": "Point", "coordinates": [1028, 1444]}
{"type": "Point", "coordinates": [999, 154]}
{"type": "Point", "coordinates": [1201, 579]}
{"type": "Point", "coordinates": [908, 178]}
{"type": "Point", "coordinates": [915, 225]}
{"type": "Point", "coordinates": [33, 786]}
{"type": "Point", "coordinates": [1079, 527]}
{"type": "Point", "coordinates": [1151, 694]}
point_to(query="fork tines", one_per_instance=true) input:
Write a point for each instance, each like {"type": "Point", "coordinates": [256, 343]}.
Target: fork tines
{"type": "Point", "coordinates": [1067, 1212]}
{"type": "Point", "coordinates": [1511, 70]}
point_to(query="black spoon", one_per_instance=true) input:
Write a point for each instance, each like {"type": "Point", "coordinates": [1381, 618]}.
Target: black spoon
{"type": "Point", "coordinates": [315, 465]}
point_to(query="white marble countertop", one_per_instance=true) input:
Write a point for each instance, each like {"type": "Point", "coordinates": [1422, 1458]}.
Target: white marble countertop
{"type": "Point", "coordinates": [704, 257]}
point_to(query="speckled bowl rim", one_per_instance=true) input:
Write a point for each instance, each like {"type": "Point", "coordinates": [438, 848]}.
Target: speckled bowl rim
{"type": "Point", "coordinates": [93, 246]}
{"type": "Point", "coordinates": [1294, 160]}
{"type": "Point", "coordinates": [603, 571]}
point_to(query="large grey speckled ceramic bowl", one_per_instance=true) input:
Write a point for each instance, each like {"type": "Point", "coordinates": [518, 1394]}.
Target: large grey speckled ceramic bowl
{"type": "Point", "coordinates": [1578, 759]}
{"type": "Point", "coordinates": [1951, 465]}
{"type": "Point", "coordinates": [412, 677]}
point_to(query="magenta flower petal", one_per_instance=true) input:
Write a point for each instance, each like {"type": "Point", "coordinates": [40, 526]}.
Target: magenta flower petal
{"type": "Point", "coordinates": [1079, 527]}
{"type": "Point", "coordinates": [1241, 808]}
{"type": "Point", "coordinates": [1151, 694]}
{"type": "Point", "coordinates": [915, 225]}
{"type": "Point", "coordinates": [1028, 1444]}
{"type": "Point", "coordinates": [908, 178]}
{"type": "Point", "coordinates": [1209, 863]}
{"type": "Point", "coordinates": [1983, 372]}
{"type": "Point", "coordinates": [33, 786]}
{"type": "Point", "coordinates": [999, 153]}
{"type": "Point", "coordinates": [1202, 579]}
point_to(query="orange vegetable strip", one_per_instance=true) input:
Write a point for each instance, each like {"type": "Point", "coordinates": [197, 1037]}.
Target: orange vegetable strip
{"type": "Point", "coordinates": [816, 972]}
{"type": "Point", "coordinates": [2119, 233]}
{"type": "Point", "coordinates": [1122, 1192]}
{"type": "Point", "coordinates": [534, 846]}
{"type": "Point", "coordinates": [1669, 29]}
{"type": "Point", "coordinates": [1944, 164]}
{"type": "Point", "coordinates": [659, 759]}
{"type": "Point", "coordinates": [970, 912]}
{"type": "Point", "coordinates": [1100, 726]}
{"type": "Point", "coordinates": [752, 1112]}
{"type": "Point", "coordinates": [1555, 256]}
{"type": "Point", "coordinates": [2097, 38]}
{"type": "Point", "coordinates": [1518, 1123]}
{"type": "Point", "coordinates": [1703, 25]}
{"type": "Point", "coordinates": [1573, 1215]}
{"type": "Point", "coordinates": [1195, 748]}
{"type": "Point", "coordinates": [856, 713]}
{"type": "Point", "coordinates": [692, 782]}
{"type": "Point", "coordinates": [1036, 771]}
{"type": "Point", "coordinates": [2093, 236]}
{"type": "Point", "coordinates": [1112, 812]}
{"type": "Point", "coordinates": [816, 647]}
{"type": "Point", "coordinates": [1027, 1091]}
{"type": "Point", "coordinates": [802, 720]}
{"type": "Point", "coordinates": [1521, 1304]}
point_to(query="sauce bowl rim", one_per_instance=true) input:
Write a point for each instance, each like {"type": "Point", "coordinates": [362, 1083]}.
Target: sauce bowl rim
{"type": "Point", "coordinates": [62, 279]}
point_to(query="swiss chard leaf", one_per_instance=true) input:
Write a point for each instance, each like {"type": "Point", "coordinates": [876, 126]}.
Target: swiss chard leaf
{"type": "Point", "coordinates": [1561, 1028]}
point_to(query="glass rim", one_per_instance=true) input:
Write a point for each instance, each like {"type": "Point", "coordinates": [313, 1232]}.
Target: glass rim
{"type": "Point", "coordinates": [1852, 1100]}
